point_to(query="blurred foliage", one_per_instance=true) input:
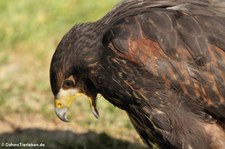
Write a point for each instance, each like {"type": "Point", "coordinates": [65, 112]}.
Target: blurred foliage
{"type": "Point", "coordinates": [29, 33]}
{"type": "Point", "coordinates": [35, 21]}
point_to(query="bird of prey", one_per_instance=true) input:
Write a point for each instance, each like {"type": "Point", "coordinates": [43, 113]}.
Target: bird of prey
{"type": "Point", "coordinates": [162, 61]}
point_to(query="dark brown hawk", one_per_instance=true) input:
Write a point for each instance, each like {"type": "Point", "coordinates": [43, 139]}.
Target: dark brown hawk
{"type": "Point", "coordinates": [162, 61]}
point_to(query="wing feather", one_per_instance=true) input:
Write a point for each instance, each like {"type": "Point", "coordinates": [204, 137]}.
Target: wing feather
{"type": "Point", "coordinates": [186, 50]}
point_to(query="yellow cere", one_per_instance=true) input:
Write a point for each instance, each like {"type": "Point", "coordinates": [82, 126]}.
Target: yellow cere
{"type": "Point", "coordinates": [70, 99]}
{"type": "Point", "coordinates": [60, 103]}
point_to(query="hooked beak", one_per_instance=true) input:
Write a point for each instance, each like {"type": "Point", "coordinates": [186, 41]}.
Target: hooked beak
{"type": "Point", "coordinates": [64, 102]}
{"type": "Point", "coordinates": [61, 113]}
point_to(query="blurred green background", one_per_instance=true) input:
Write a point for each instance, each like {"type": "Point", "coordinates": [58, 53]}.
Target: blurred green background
{"type": "Point", "coordinates": [29, 33]}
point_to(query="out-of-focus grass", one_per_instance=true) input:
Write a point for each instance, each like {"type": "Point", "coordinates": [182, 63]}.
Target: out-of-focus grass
{"type": "Point", "coordinates": [29, 33]}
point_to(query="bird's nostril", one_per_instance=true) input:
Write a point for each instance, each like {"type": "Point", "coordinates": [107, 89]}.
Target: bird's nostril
{"type": "Point", "coordinates": [59, 104]}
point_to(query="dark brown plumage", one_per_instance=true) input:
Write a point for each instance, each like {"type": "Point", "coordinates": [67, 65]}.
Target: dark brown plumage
{"type": "Point", "coordinates": [162, 61]}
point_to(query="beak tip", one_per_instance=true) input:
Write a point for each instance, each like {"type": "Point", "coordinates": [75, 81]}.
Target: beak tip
{"type": "Point", "coordinates": [61, 113]}
{"type": "Point", "coordinates": [95, 113]}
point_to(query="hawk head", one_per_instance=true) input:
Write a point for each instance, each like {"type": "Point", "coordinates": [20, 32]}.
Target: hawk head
{"type": "Point", "coordinates": [71, 67]}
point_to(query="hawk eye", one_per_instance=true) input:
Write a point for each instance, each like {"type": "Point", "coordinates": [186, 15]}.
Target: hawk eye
{"type": "Point", "coordinates": [68, 84]}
